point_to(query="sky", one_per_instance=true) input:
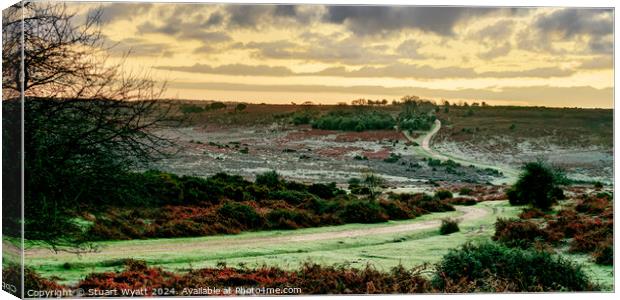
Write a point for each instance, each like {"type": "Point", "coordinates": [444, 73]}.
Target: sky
{"type": "Point", "coordinates": [559, 57]}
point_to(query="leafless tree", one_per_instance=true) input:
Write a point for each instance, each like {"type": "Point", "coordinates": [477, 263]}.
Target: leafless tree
{"type": "Point", "coordinates": [86, 118]}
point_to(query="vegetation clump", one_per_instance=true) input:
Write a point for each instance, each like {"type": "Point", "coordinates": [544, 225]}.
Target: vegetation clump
{"type": "Point", "coordinates": [492, 267]}
{"type": "Point", "coordinates": [448, 226]}
{"type": "Point", "coordinates": [359, 120]}
{"type": "Point", "coordinates": [537, 186]}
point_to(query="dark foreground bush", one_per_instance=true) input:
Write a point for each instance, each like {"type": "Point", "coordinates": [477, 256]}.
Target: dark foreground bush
{"type": "Point", "coordinates": [310, 278]}
{"type": "Point", "coordinates": [488, 267]}
{"type": "Point", "coordinates": [492, 267]}
{"type": "Point", "coordinates": [448, 226]}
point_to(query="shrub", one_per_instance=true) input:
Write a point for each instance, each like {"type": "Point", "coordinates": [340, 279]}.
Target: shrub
{"type": "Point", "coordinates": [359, 120]}
{"type": "Point", "coordinates": [531, 213]}
{"type": "Point", "coordinates": [430, 204]}
{"type": "Point", "coordinates": [289, 219]}
{"type": "Point", "coordinates": [325, 191]}
{"type": "Point", "coordinates": [270, 179]}
{"type": "Point", "coordinates": [588, 241]}
{"type": "Point", "coordinates": [465, 191]}
{"type": "Point", "coordinates": [463, 201]}
{"type": "Point", "coordinates": [593, 206]}
{"type": "Point", "coordinates": [244, 214]}
{"type": "Point", "coordinates": [396, 210]}
{"type": "Point", "coordinates": [604, 253]}
{"type": "Point", "coordinates": [528, 270]}
{"type": "Point", "coordinates": [292, 197]}
{"type": "Point", "coordinates": [536, 186]}
{"type": "Point", "coordinates": [448, 226]}
{"type": "Point", "coordinates": [392, 158]}
{"type": "Point", "coordinates": [520, 233]}
{"type": "Point", "coordinates": [443, 194]}
{"type": "Point", "coordinates": [363, 212]}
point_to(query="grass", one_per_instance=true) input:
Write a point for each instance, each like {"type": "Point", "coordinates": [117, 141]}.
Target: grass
{"type": "Point", "coordinates": [561, 126]}
{"type": "Point", "coordinates": [385, 251]}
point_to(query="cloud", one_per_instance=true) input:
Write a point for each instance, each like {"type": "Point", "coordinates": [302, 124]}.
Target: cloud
{"type": "Point", "coordinates": [570, 22]}
{"type": "Point", "coordinates": [323, 48]}
{"type": "Point", "coordinates": [234, 69]}
{"type": "Point", "coordinates": [578, 96]}
{"type": "Point", "coordinates": [592, 28]}
{"type": "Point", "coordinates": [426, 72]}
{"type": "Point", "coordinates": [391, 71]}
{"type": "Point", "coordinates": [259, 16]}
{"type": "Point", "coordinates": [138, 47]}
{"type": "Point", "coordinates": [409, 49]}
{"type": "Point", "coordinates": [174, 26]}
{"type": "Point", "coordinates": [122, 11]}
{"type": "Point", "coordinates": [499, 30]}
{"type": "Point", "coordinates": [215, 19]}
{"type": "Point", "coordinates": [598, 63]}
{"type": "Point", "coordinates": [371, 20]}
{"type": "Point", "coordinates": [495, 52]}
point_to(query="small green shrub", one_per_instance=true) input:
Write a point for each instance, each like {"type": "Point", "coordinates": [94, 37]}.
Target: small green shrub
{"type": "Point", "coordinates": [448, 226]}
{"type": "Point", "coordinates": [465, 191]}
{"type": "Point", "coordinates": [443, 194]}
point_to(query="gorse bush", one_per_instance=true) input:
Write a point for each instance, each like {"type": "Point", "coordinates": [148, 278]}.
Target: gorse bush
{"type": "Point", "coordinates": [270, 179]}
{"type": "Point", "coordinates": [167, 205]}
{"type": "Point", "coordinates": [536, 186]}
{"type": "Point", "coordinates": [363, 212]}
{"type": "Point", "coordinates": [448, 226]}
{"type": "Point", "coordinates": [358, 120]}
{"type": "Point", "coordinates": [479, 267]}
{"type": "Point", "coordinates": [443, 194]}
{"type": "Point", "coordinates": [244, 214]}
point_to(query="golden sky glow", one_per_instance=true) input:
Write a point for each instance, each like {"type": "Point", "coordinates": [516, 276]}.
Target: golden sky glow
{"type": "Point", "coordinates": [329, 54]}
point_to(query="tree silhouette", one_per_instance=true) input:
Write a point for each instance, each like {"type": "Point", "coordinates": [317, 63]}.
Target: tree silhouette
{"type": "Point", "coordinates": [86, 121]}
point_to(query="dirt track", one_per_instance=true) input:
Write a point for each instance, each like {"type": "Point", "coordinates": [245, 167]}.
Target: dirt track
{"type": "Point", "coordinates": [166, 245]}
{"type": "Point", "coordinates": [425, 149]}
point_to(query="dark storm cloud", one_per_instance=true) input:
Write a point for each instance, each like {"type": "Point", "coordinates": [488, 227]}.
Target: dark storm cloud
{"type": "Point", "coordinates": [570, 22]}
{"type": "Point", "coordinates": [365, 20]}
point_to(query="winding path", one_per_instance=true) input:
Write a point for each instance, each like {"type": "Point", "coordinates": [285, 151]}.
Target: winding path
{"type": "Point", "coordinates": [510, 174]}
